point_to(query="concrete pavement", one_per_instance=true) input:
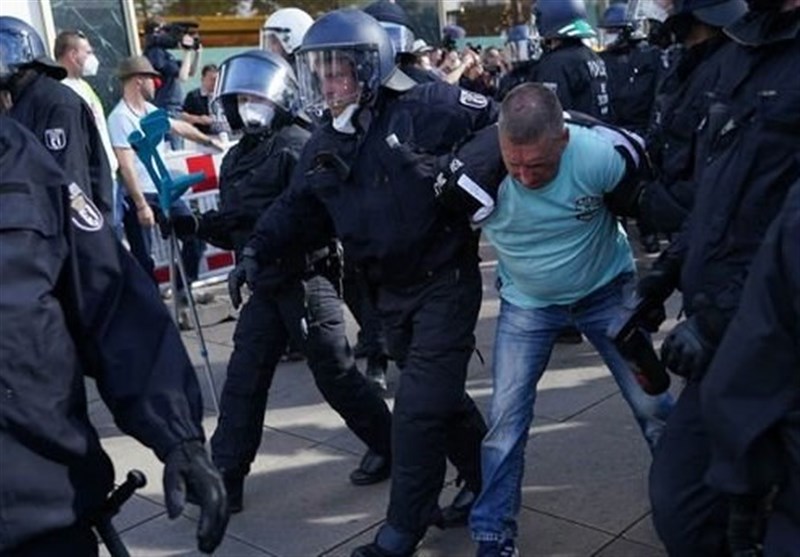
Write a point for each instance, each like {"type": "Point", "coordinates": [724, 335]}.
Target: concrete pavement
{"type": "Point", "coordinates": [584, 494]}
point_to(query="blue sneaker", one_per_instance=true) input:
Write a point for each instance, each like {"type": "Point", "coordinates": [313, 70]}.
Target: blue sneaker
{"type": "Point", "coordinates": [505, 548]}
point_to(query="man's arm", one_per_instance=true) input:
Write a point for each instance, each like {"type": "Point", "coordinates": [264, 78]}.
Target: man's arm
{"type": "Point", "coordinates": [131, 183]}
{"type": "Point", "coordinates": [188, 131]}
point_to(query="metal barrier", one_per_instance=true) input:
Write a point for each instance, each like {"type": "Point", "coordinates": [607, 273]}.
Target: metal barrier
{"type": "Point", "coordinates": [201, 198]}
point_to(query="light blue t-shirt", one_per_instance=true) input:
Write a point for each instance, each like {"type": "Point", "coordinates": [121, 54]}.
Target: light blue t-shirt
{"type": "Point", "coordinates": [122, 121]}
{"type": "Point", "coordinates": [559, 243]}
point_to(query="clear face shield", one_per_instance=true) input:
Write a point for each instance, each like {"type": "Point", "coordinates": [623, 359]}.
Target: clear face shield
{"type": "Point", "coordinates": [259, 78]}
{"type": "Point", "coordinates": [15, 49]}
{"type": "Point", "coordinates": [401, 37]}
{"type": "Point", "coordinates": [273, 39]}
{"type": "Point", "coordinates": [335, 79]}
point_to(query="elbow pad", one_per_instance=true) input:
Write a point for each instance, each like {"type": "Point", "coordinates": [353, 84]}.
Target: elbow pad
{"type": "Point", "coordinates": [469, 183]}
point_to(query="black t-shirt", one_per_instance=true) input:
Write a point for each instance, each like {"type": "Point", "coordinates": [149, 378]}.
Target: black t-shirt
{"type": "Point", "coordinates": [196, 103]}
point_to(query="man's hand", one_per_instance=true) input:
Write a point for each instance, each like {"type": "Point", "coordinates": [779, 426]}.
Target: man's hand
{"type": "Point", "coordinates": [687, 351]}
{"type": "Point", "coordinates": [245, 272]}
{"type": "Point", "coordinates": [145, 216]}
{"type": "Point", "coordinates": [187, 467]}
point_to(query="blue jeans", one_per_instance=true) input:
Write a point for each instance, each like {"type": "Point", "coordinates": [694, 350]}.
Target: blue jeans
{"type": "Point", "coordinates": [523, 342]}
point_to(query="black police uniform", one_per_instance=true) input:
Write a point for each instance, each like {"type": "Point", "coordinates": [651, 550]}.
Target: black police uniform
{"type": "Point", "coordinates": [634, 70]}
{"type": "Point", "coordinates": [64, 124]}
{"type": "Point", "coordinates": [749, 165]}
{"type": "Point", "coordinates": [681, 104]}
{"type": "Point", "coordinates": [74, 303]}
{"type": "Point", "coordinates": [522, 72]}
{"type": "Point", "coordinates": [295, 299]}
{"type": "Point", "coordinates": [375, 189]}
{"type": "Point", "coordinates": [578, 76]}
{"type": "Point", "coordinates": [751, 394]}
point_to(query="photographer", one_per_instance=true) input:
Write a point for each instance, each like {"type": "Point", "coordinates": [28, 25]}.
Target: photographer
{"type": "Point", "coordinates": [159, 37]}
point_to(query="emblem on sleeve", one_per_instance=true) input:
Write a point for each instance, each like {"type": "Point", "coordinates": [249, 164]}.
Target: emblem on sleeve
{"type": "Point", "coordinates": [84, 214]}
{"type": "Point", "coordinates": [473, 100]}
{"type": "Point", "coordinates": [55, 139]}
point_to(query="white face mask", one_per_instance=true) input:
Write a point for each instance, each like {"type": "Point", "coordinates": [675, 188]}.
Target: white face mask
{"type": "Point", "coordinates": [256, 115]}
{"type": "Point", "coordinates": [90, 66]}
{"type": "Point", "coordinates": [343, 123]}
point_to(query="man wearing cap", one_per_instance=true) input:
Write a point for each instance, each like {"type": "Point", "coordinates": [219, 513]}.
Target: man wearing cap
{"type": "Point", "coordinates": [55, 114]}
{"type": "Point", "coordinates": [138, 88]}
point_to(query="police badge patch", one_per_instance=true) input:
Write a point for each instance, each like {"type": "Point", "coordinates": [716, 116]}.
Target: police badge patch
{"type": "Point", "coordinates": [55, 139]}
{"type": "Point", "coordinates": [84, 214]}
{"type": "Point", "coordinates": [473, 100]}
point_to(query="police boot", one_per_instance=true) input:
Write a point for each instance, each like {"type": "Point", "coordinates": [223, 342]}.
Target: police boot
{"type": "Point", "coordinates": [374, 468]}
{"type": "Point", "coordinates": [457, 512]}
{"type": "Point", "coordinates": [376, 372]}
{"type": "Point", "coordinates": [389, 543]}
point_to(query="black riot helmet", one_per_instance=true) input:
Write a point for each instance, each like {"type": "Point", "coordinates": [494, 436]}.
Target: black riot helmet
{"type": "Point", "coordinates": [395, 20]}
{"type": "Point", "coordinates": [21, 47]}
{"type": "Point", "coordinates": [344, 42]}
{"type": "Point", "coordinates": [257, 74]}
{"type": "Point", "coordinates": [563, 19]}
{"type": "Point", "coordinates": [716, 13]}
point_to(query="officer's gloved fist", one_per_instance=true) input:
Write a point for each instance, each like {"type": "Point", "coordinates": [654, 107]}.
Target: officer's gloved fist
{"type": "Point", "coordinates": [245, 271]}
{"type": "Point", "coordinates": [188, 468]}
{"type": "Point", "coordinates": [687, 350]}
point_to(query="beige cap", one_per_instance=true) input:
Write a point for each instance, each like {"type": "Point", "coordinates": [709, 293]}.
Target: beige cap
{"type": "Point", "coordinates": [136, 65]}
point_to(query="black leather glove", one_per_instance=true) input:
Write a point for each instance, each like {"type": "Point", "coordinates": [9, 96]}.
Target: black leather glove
{"type": "Point", "coordinates": [188, 467]}
{"type": "Point", "coordinates": [653, 289]}
{"type": "Point", "coordinates": [245, 271]}
{"type": "Point", "coordinates": [182, 225]}
{"type": "Point", "coordinates": [687, 350]}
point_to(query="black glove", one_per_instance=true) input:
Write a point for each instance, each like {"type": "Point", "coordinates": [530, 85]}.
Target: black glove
{"type": "Point", "coordinates": [183, 225]}
{"type": "Point", "coordinates": [687, 350]}
{"type": "Point", "coordinates": [653, 289]}
{"type": "Point", "coordinates": [187, 466]}
{"type": "Point", "coordinates": [746, 520]}
{"type": "Point", "coordinates": [244, 272]}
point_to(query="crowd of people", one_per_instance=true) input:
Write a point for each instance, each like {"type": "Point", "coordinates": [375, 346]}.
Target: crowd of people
{"type": "Point", "coordinates": [366, 165]}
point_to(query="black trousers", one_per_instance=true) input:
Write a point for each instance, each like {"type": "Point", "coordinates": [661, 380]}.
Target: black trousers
{"type": "Point", "coordinates": [310, 312]}
{"type": "Point", "coordinates": [431, 327]}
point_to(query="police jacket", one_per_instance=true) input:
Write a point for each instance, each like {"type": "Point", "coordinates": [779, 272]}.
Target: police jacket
{"type": "Point", "coordinates": [64, 124]}
{"type": "Point", "coordinates": [522, 72]}
{"type": "Point", "coordinates": [578, 76]}
{"type": "Point", "coordinates": [74, 303]}
{"type": "Point", "coordinates": [375, 187]}
{"type": "Point", "coordinates": [750, 161]}
{"type": "Point", "coordinates": [751, 393]}
{"type": "Point", "coordinates": [681, 105]}
{"type": "Point", "coordinates": [253, 174]}
{"type": "Point", "coordinates": [634, 70]}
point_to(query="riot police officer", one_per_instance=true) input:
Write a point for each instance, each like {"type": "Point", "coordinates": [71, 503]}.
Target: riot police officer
{"type": "Point", "coordinates": [682, 102]}
{"type": "Point", "coordinates": [634, 70]}
{"type": "Point", "coordinates": [394, 19]}
{"type": "Point", "coordinates": [570, 68]}
{"type": "Point", "coordinates": [750, 147]}
{"type": "Point", "coordinates": [524, 47]}
{"type": "Point", "coordinates": [74, 304]}
{"type": "Point", "coordinates": [294, 298]}
{"type": "Point", "coordinates": [55, 114]}
{"type": "Point", "coordinates": [757, 365]}
{"type": "Point", "coordinates": [367, 174]}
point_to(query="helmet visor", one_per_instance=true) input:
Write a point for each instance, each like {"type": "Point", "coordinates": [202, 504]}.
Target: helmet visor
{"type": "Point", "coordinates": [276, 40]}
{"type": "Point", "coordinates": [15, 49]}
{"type": "Point", "coordinates": [336, 78]}
{"type": "Point", "coordinates": [260, 78]}
{"type": "Point", "coordinates": [401, 37]}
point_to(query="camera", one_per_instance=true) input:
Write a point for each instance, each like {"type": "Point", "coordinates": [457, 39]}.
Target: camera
{"type": "Point", "coordinates": [172, 35]}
